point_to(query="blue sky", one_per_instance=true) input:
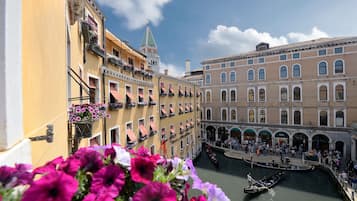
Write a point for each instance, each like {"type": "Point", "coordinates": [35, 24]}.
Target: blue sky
{"type": "Point", "coordinates": [201, 29]}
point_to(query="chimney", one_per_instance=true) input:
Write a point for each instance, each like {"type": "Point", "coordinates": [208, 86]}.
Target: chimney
{"type": "Point", "coordinates": [166, 71]}
{"type": "Point", "coordinates": [188, 65]}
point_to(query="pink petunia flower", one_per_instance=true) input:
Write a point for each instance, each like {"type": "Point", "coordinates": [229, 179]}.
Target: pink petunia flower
{"type": "Point", "coordinates": [108, 180]}
{"type": "Point", "coordinates": [70, 166]}
{"type": "Point", "coordinates": [50, 166]}
{"type": "Point", "coordinates": [155, 191]}
{"type": "Point", "coordinates": [55, 186]}
{"type": "Point", "coordinates": [199, 198]}
{"type": "Point", "coordinates": [142, 169]}
{"type": "Point", "coordinates": [90, 159]}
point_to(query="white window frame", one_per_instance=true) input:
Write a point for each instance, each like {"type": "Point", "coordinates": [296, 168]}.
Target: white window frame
{"type": "Point", "coordinates": [263, 60]}
{"type": "Point", "coordinates": [251, 69]}
{"type": "Point", "coordinates": [210, 91]}
{"type": "Point", "coordinates": [225, 74]}
{"type": "Point", "coordinates": [287, 112]}
{"type": "Point", "coordinates": [286, 57]}
{"type": "Point", "coordinates": [344, 91]}
{"type": "Point", "coordinates": [227, 115]}
{"type": "Point", "coordinates": [318, 68]}
{"type": "Point", "coordinates": [230, 90]}
{"type": "Point", "coordinates": [318, 91]}
{"type": "Point", "coordinates": [97, 92]}
{"type": "Point", "coordinates": [249, 60]}
{"type": "Point", "coordinates": [208, 108]}
{"type": "Point", "coordinates": [255, 115]}
{"type": "Point", "coordinates": [117, 88]}
{"type": "Point", "coordinates": [262, 68]}
{"type": "Point", "coordinates": [248, 94]}
{"type": "Point", "coordinates": [292, 55]}
{"type": "Point", "coordinates": [334, 67]}
{"type": "Point", "coordinates": [318, 52]}
{"type": "Point", "coordinates": [266, 120]}
{"type": "Point", "coordinates": [292, 92]}
{"type": "Point", "coordinates": [265, 94]}
{"type": "Point", "coordinates": [287, 93]}
{"type": "Point", "coordinates": [230, 114]}
{"type": "Point", "coordinates": [344, 117]}
{"type": "Point", "coordinates": [116, 127]}
{"type": "Point", "coordinates": [227, 96]}
{"type": "Point", "coordinates": [292, 70]}
{"type": "Point", "coordinates": [235, 76]}
{"type": "Point", "coordinates": [343, 50]}
{"type": "Point", "coordinates": [210, 79]}
{"type": "Point", "coordinates": [287, 72]}
{"type": "Point", "coordinates": [96, 135]}
{"type": "Point", "coordinates": [301, 117]}
{"type": "Point", "coordinates": [328, 117]}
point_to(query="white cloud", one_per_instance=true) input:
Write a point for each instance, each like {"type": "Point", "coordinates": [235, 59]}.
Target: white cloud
{"type": "Point", "coordinates": [137, 12]}
{"type": "Point", "coordinates": [225, 40]}
{"type": "Point", "coordinates": [173, 70]}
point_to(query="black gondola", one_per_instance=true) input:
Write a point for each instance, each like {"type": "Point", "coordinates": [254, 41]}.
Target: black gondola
{"type": "Point", "coordinates": [212, 156]}
{"type": "Point", "coordinates": [263, 184]}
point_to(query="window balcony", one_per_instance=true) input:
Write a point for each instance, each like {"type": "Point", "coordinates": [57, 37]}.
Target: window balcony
{"type": "Point", "coordinates": [128, 67]}
{"type": "Point", "coordinates": [143, 133]}
{"type": "Point", "coordinates": [163, 92]}
{"type": "Point", "coordinates": [153, 129]}
{"type": "Point", "coordinates": [171, 92]}
{"type": "Point", "coordinates": [141, 101]}
{"type": "Point", "coordinates": [96, 49]}
{"type": "Point", "coordinates": [114, 60]}
{"type": "Point", "coordinates": [115, 106]}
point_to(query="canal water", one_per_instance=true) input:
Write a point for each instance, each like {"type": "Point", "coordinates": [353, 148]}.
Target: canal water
{"type": "Point", "coordinates": [316, 185]}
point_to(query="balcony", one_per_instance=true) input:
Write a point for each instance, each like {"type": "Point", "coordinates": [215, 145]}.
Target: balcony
{"type": "Point", "coordinates": [142, 133]}
{"type": "Point", "coordinates": [180, 93]}
{"type": "Point", "coordinates": [114, 60]}
{"type": "Point", "coordinates": [128, 67]}
{"type": "Point", "coordinates": [141, 101]}
{"type": "Point", "coordinates": [171, 92]}
{"type": "Point", "coordinates": [172, 112]}
{"type": "Point", "coordinates": [153, 129]}
{"type": "Point", "coordinates": [131, 140]}
{"type": "Point", "coordinates": [163, 92]}
{"type": "Point", "coordinates": [115, 106]}
{"type": "Point", "coordinates": [96, 49]}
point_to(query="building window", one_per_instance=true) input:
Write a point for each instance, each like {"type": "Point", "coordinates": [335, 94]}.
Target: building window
{"type": "Point", "coordinates": [261, 74]}
{"type": "Point", "coordinates": [93, 90]}
{"type": "Point", "coordinates": [223, 77]}
{"type": "Point", "coordinates": [284, 117]}
{"type": "Point", "coordinates": [283, 94]}
{"type": "Point", "coordinates": [296, 70]}
{"type": "Point", "coordinates": [338, 66]}
{"type": "Point", "coordinates": [261, 60]}
{"type": "Point", "coordinates": [207, 67]}
{"type": "Point", "coordinates": [262, 118]}
{"type": "Point", "coordinates": [323, 68]}
{"type": "Point", "coordinates": [283, 57]}
{"type": "Point", "coordinates": [233, 115]}
{"type": "Point", "coordinates": [338, 50]}
{"type": "Point", "coordinates": [232, 76]}
{"type": "Point", "coordinates": [322, 52]}
{"type": "Point", "coordinates": [181, 145]}
{"type": "Point", "coordinates": [297, 94]}
{"type": "Point", "coordinates": [250, 95]}
{"type": "Point", "coordinates": [152, 149]}
{"type": "Point", "coordinates": [172, 151]}
{"type": "Point", "coordinates": [223, 96]}
{"type": "Point", "coordinates": [233, 95]}
{"type": "Point", "coordinates": [224, 114]}
{"type": "Point", "coordinates": [323, 118]}
{"type": "Point", "coordinates": [208, 96]}
{"type": "Point", "coordinates": [232, 64]}
{"type": "Point", "coordinates": [261, 95]}
{"type": "Point", "coordinates": [250, 61]}
{"type": "Point", "coordinates": [95, 140]}
{"type": "Point", "coordinates": [114, 135]}
{"type": "Point", "coordinates": [115, 52]}
{"type": "Point", "coordinates": [296, 55]}
{"type": "Point", "coordinates": [340, 119]}
{"type": "Point", "coordinates": [251, 74]}
{"type": "Point", "coordinates": [283, 72]}
{"type": "Point", "coordinates": [297, 117]}
{"type": "Point", "coordinates": [323, 93]}
{"type": "Point", "coordinates": [208, 78]}
{"type": "Point", "coordinates": [114, 93]}
{"type": "Point", "coordinates": [208, 114]}
{"type": "Point", "coordinates": [251, 116]}
{"type": "Point", "coordinates": [339, 92]}
{"type": "Point", "coordinates": [223, 65]}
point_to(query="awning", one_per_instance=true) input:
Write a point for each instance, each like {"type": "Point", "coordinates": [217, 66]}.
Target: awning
{"type": "Point", "coordinates": [181, 108]}
{"type": "Point", "coordinates": [172, 110]}
{"type": "Point", "coordinates": [130, 96]}
{"type": "Point", "coordinates": [131, 135]}
{"type": "Point", "coordinates": [188, 125]}
{"type": "Point", "coordinates": [151, 97]}
{"type": "Point", "coordinates": [172, 130]}
{"type": "Point", "coordinates": [182, 128]}
{"type": "Point", "coordinates": [181, 92]}
{"type": "Point", "coordinates": [115, 94]}
{"type": "Point", "coordinates": [153, 126]}
{"type": "Point", "coordinates": [163, 111]}
{"type": "Point", "coordinates": [163, 89]}
{"type": "Point", "coordinates": [143, 130]}
{"type": "Point", "coordinates": [171, 90]}
{"type": "Point", "coordinates": [187, 108]}
{"type": "Point", "coordinates": [141, 95]}
{"type": "Point", "coordinates": [192, 123]}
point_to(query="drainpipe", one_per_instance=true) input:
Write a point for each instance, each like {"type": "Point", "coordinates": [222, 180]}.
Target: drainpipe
{"type": "Point", "coordinates": [104, 63]}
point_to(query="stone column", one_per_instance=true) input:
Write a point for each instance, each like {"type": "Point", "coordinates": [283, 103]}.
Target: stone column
{"type": "Point", "coordinates": [309, 145]}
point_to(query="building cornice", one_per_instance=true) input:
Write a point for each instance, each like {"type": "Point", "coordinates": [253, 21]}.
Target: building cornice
{"type": "Point", "coordinates": [126, 78]}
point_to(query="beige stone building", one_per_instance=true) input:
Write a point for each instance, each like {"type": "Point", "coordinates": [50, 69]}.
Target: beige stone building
{"type": "Point", "coordinates": [302, 94]}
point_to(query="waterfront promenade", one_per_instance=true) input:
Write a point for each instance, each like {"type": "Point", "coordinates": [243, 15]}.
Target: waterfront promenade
{"type": "Point", "coordinates": [344, 185]}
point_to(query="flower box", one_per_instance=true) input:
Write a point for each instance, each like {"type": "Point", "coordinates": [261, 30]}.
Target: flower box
{"type": "Point", "coordinates": [115, 60]}
{"type": "Point", "coordinates": [115, 106]}
{"type": "Point", "coordinates": [96, 49]}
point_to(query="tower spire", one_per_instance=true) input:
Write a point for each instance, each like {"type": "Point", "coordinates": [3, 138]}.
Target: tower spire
{"type": "Point", "coordinates": [149, 48]}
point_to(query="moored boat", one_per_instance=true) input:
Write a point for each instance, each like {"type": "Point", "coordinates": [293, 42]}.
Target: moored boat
{"type": "Point", "coordinates": [278, 166]}
{"type": "Point", "coordinates": [212, 156]}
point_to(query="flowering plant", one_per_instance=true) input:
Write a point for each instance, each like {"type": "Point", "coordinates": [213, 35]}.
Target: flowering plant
{"type": "Point", "coordinates": [87, 112]}
{"type": "Point", "coordinates": [109, 173]}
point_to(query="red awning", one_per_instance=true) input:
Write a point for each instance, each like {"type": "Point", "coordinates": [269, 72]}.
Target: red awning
{"type": "Point", "coordinates": [143, 130]}
{"type": "Point", "coordinates": [153, 126]}
{"type": "Point", "coordinates": [188, 125]}
{"type": "Point", "coordinates": [115, 94]}
{"type": "Point", "coordinates": [141, 95]}
{"type": "Point", "coordinates": [182, 128]}
{"type": "Point", "coordinates": [181, 108]}
{"type": "Point", "coordinates": [171, 90]}
{"type": "Point", "coordinates": [163, 89]}
{"type": "Point", "coordinates": [172, 110]}
{"type": "Point", "coordinates": [163, 111]}
{"type": "Point", "coordinates": [172, 130]}
{"type": "Point", "coordinates": [131, 135]}
{"type": "Point", "coordinates": [151, 97]}
{"type": "Point", "coordinates": [130, 96]}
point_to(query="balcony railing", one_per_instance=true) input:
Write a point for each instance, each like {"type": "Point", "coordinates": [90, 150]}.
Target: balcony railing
{"type": "Point", "coordinates": [114, 60]}
{"type": "Point", "coordinates": [115, 106]}
{"type": "Point", "coordinates": [96, 49]}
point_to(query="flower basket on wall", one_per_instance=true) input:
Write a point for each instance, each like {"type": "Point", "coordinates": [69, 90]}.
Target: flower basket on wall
{"type": "Point", "coordinates": [83, 129]}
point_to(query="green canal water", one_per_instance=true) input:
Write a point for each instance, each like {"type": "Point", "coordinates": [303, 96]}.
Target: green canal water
{"type": "Point", "coordinates": [316, 185]}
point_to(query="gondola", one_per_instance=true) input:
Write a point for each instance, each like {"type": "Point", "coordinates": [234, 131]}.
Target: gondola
{"type": "Point", "coordinates": [212, 156]}
{"type": "Point", "coordinates": [264, 184]}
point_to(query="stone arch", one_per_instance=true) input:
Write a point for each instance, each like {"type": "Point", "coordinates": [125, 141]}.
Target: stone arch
{"type": "Point", "coordinates": [211, 133]}
{"type": "Point", "coordinates": [237, 134]}
{"type": "Point", "coordinates": [320, 142]}
{"type": "Point", "coordinates": [265, 136]}
{"type": "Point", "coordinates": [249, 135]}
{"type": "Point", "coordinates": [301, 141]}
{"type": "Point", "coordinates": [281, 137]}
{"type": "Point", "coordinates": [340, 146]}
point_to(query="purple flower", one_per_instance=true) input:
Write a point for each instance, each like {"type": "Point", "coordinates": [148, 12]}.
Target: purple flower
{"type": "Point", "coordinates": [155, 191]}
{"type": "Point", "coordinates": [7, 179]}
{"type": "Point", "coordinates": [22, 174]}
{"type": "Point", "coordinates": [90, 159]}
{"type": "Point", "coordinates": [55, 186]}
{"type": "Point", "coordinates": [142, 169]}
{"type": "Point", "coordinates": [214, 193]}
{"type": "Point", "coordinates": [108, 180]}
{"type": "Point", "coordinates": [50, 166]}
{"type": "Point", "coordinates": [70, 166]}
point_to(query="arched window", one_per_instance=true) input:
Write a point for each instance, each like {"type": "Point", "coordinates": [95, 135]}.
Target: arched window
{"type": "Point", "coordinates": [251, 95]}
{"type": "Point", "coordinates": [340, 119]}
{"type": "Point", "coordinates": [283, 72]}
{"type": "Point", "coordinates": [338, 66]}
{"type": "Point", "coordinates": [339, 92]}
{"type": "Point", "coordinates": [208, 96]}
{"type": "Point", "coordinates": [297, 94]}
{"type": "Point", "coordinates": [323, 118]}
{"type": "Point", "coordinates": [261, 74]}
{"type": "Point", "coordinates": [233, 76]}
{"type": "Point", "coordinates": [296, 70]}
{"type": "Point", "coordinates": [250, 74]}
{"type": "Point", "coordinates": [284, 94]}
{"type": "Point", "coordinates": [323, 68]}
{"type": "Point", "coordinates": [223, 77]}
{"type": "Point", "coordinates": [233, 115]}
{"type": "Point", "coordinates": [224, 114]}
{"type": "Point", "coordinates": [323, 93]}
{"type": "Point", "coordinates": [233, 95]}
{"type": "Point", "coordinates": [261, 95]}
{"type": "Point", "coordinates": [224, 96]}
{"type": "Point", "coordinates": [262, 116]}
{"type": "Point", "coordinates": [208, 115]}
{"type": "Point", "coordinates": [284, 117]}
{"type": "Point", "coordinates": [208, 78]}
{"type": "Point", "coordinates": [251, 116]}
{"type": "Point", "coordinates": [297, 118]}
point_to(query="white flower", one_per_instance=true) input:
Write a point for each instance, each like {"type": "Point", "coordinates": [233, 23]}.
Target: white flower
{"type": "Point", "coordinates": [122, 156]}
